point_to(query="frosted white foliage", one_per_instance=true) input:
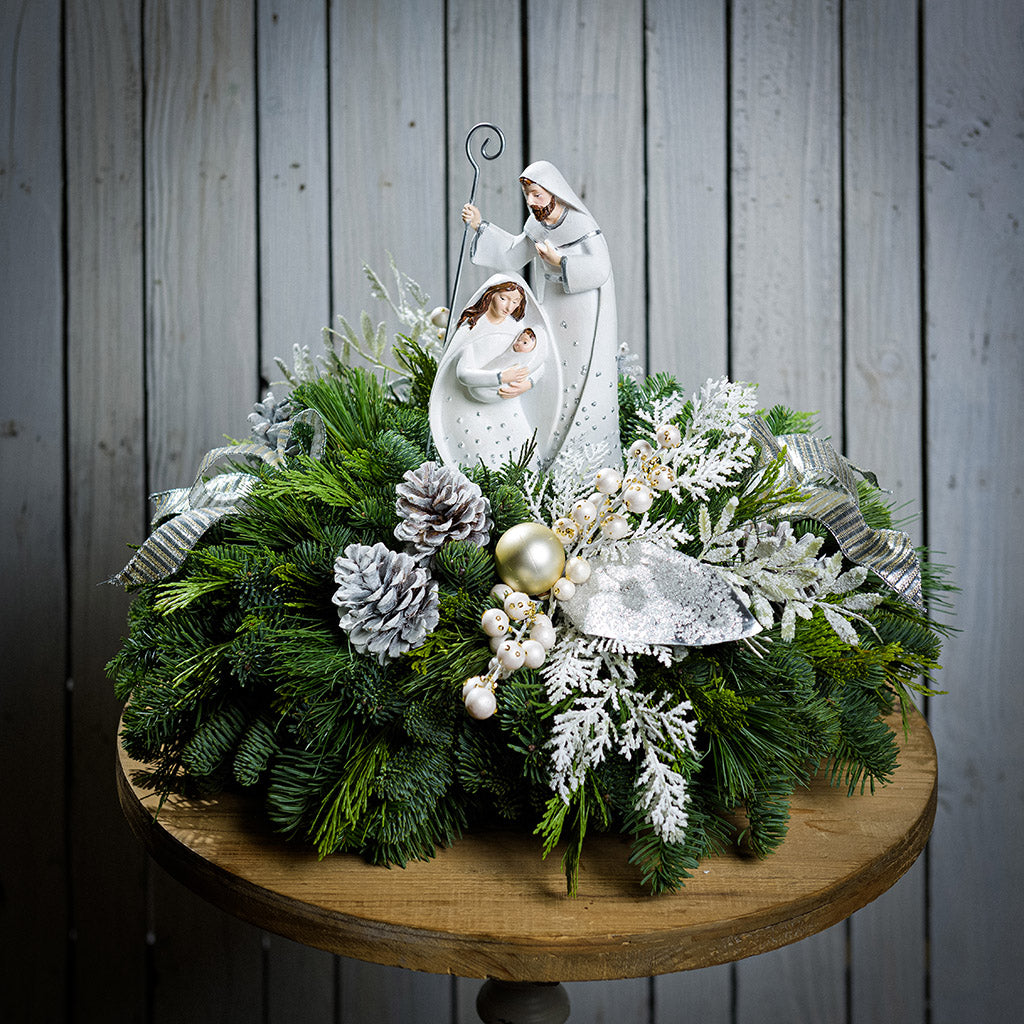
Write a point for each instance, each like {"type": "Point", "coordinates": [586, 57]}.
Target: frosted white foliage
{"type": "Point", "coordinates": [608, 713]}
{"type": "Point", "coordinates": [775, 569]}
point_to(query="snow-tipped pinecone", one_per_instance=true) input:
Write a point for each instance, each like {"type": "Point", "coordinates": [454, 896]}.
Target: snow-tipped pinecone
{"type": "Point", "coordinates": [268, 417]}
{"type": "Point", "coordinates": [438, 504]}
{"type": "Point", "coordinates": [386, 603]}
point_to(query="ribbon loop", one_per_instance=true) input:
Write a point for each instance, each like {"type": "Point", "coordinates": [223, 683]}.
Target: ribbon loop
{"type": "Point", "coordinates": [181, 516]}
{"type": "Point", "coordinates": [832, 500]}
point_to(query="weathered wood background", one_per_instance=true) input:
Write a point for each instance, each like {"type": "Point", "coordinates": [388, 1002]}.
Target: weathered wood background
{"type": "Point", "coordinates": [822, 196]}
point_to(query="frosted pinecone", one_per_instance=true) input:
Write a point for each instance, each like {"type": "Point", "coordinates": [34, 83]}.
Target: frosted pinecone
{"type": "Point", "coordinates": [268, 417]}
{"type": "Point", "coordinates": [438, 504]}
{"type": "Point", "coordinates": [386, 603]}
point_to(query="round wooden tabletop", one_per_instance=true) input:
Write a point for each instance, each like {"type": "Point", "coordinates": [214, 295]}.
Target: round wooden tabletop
{"type": "Point", "coordinates": [492, 907]}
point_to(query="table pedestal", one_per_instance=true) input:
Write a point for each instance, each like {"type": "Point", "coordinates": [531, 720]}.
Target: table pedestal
{"type": "Point", "coordinates": [522, 1002]}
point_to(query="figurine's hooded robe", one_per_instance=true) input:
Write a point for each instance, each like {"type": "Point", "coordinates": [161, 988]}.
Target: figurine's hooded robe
{"type": "Point", "coordinates": [469, 420]}
{"type": "Point", "coordinates": [579, 299]}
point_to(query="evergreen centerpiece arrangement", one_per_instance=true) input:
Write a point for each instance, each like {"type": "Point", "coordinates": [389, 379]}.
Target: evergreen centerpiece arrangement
{"type": "Point", "coordinates": [388, 652]}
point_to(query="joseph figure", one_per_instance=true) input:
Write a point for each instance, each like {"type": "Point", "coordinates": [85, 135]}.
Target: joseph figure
{"type": "Point", "coordinates": [574, 285]}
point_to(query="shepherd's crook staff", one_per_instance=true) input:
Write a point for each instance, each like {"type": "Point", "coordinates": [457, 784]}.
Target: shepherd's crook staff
{"type": "Point", "coordinates": [472, 195]}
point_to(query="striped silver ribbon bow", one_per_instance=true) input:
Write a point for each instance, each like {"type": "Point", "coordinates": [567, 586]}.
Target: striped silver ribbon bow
{"type": "Point", "coordinates": [181, 516]}
{"type": "Point", "coordinates": [832, 500]}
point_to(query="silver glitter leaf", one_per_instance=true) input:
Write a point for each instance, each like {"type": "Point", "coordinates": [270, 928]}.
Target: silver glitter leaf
{"type": "Point", "coordinates": [646, 594]}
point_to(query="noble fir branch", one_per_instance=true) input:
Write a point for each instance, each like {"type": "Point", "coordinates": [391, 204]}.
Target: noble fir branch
{"type": "Point", "coordinates": [767, 816]}
{"type": "Point", "coordinates": [466, 566]}
{"type": "Point", "coordinates": [782, 420]}
{"type": "Point", "coordinates": [354, 405]}
{"type": "Point", "coordinates": [215, 740]}
{"type": "Point", "coordinates": [419, 366]}
{"type": "Point", "coordinates": [339, 818]}
{"type": "Point", "coordinates": [257, 747]}
{"type": "Point", "coordinates": [865, 750]}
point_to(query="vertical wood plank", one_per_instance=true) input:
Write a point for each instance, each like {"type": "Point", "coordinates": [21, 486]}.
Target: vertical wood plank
{"type": "Point", "coordinates": [974, 272]}
{"type": "Point", "coordinates": [881, 239]}
{"type": "Point", "coordinates": [106, 476]}
{"type": "Point", "coordinates": [786, 330]}
{"type": "Point", "coordinates": [294, 222]}
{"type": "Point", "coordinates": [388, 144]}
{"type": "Point", "coordinates": [387, 147]}
{"type": "Point", "coordinates": [687, 189]}
{"type": "Point", "coordinates": [584, 72]}
{"type": "Point", "coordinates": [294, 307]}
{"type": "Point", "coordinates": [480, 88]}
{"type": "Point", "coordinates": [33, 628]}
{"type": "Point", "coordinates": [883, 412]}
{"type": "Point", "coordinates": [201, 380]}
{"type": "Point", "coordinates": [200, 230]}
{"type": "Point", "coordinates": [785, 204]}
{"type": "Point", "coordinates": [392, 995]}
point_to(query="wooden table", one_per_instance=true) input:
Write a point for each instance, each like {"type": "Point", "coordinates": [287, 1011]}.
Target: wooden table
{"type": "Point", "coordinates": [490, 907]}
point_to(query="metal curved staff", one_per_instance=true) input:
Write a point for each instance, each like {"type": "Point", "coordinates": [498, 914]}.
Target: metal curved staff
{"type": "Point", "coordinates": [472, 195]}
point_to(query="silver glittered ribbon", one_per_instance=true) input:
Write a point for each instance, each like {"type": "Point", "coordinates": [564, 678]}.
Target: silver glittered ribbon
{"type": "Point", "coordinates": [646, 594]}
{"type": "Point", "coordinates": [181, 516]}
{"type": "Point", "coordinates": [832, 500]}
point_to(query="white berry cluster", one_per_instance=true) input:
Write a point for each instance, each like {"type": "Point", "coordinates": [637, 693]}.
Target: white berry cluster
{"type": "Point", "coordinates": [520, 635]}
{"type": "Point", "coordinates": [602, 514]}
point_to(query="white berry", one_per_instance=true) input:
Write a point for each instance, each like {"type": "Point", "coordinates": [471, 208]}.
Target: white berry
{"type": "Point", "coordinates": [565, 530]}
{"type": "Point", "coordinates": [544, 634]}
{"type": "Point", "coordinates": [577, 570]}
{"type": "Point", "coordinates": [500, 591]}
{"type": "Point", "coordinates": [481, 703]}
{"type": "Point", "coordinates": [494, 622]}
{"type": "Point", "coordinates": [638, 497]}
{"type": "Point", "coordinates": [608, 480]}
{"type": "Point", "coordinates": [668, 435]}
{"type": "Point", "coordinates": [615, 527]}
{"type": "Point", "coordinates": [640, 450]}
{"type": "Point", "coordinates": [517, 605]}
{"type": "Point", "coordinates": [472, 683]}
{"type": "Point", "coordinates": [662, 478]}
{"type": "Point", "coordinates": [584, 513]}
{"type": "Point", "coordinates": [533, 653]}
{"type": "Point", "coordinates": [510, 655]}
{"type": "Point", "coordinates": [563, 589]}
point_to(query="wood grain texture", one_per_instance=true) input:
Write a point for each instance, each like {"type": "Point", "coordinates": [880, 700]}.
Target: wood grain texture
{"type": "Point", "coordinates": [785, 204]}
{"type": "Point", "coordinates": [518, 924]}
{"type": "Point", "coordinates": [200, 230]}
{"type": "Point", "coordinates": [387, 186]}
{"type": "Point", "coordinates": [883, 383]}
{"type": "Point", "coordinates": [202, 374]}
{"type": "Point", "coordinates": [294, 184]}
{"type": "Point", "coordinates": [33, 880]}
{"type": "Point", "coordinates": [785, 326]}
{"type": "Point", "coordinates": [974, 272]}
{"type": "Point", "coordinates": [106, 475]}
{"type": "Point", "coordinates": [687, 190]}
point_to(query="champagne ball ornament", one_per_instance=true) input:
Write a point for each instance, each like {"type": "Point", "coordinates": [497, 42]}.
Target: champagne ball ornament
{"type": "Point", "coordinates": [530, 557]}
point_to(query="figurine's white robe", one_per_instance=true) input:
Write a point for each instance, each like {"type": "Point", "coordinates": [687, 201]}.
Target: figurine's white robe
{"type": "Point", "coordinates": [469, 421]}
{"type": "Point", "coordinates": [579, 300]}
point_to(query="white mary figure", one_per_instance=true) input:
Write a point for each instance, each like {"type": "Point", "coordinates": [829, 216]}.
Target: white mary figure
{"type": "Point", "coordinates": [497, 384]}
{"type": "Point", "coordinates": [575, 287]}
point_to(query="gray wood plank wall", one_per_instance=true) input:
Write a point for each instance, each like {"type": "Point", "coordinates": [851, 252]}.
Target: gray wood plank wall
{"type": "Point", "coordinates": [821, 196]}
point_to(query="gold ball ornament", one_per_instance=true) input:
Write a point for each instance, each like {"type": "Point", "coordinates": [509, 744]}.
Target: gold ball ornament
{"type": "Point", "coordinates": [530, 557]}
